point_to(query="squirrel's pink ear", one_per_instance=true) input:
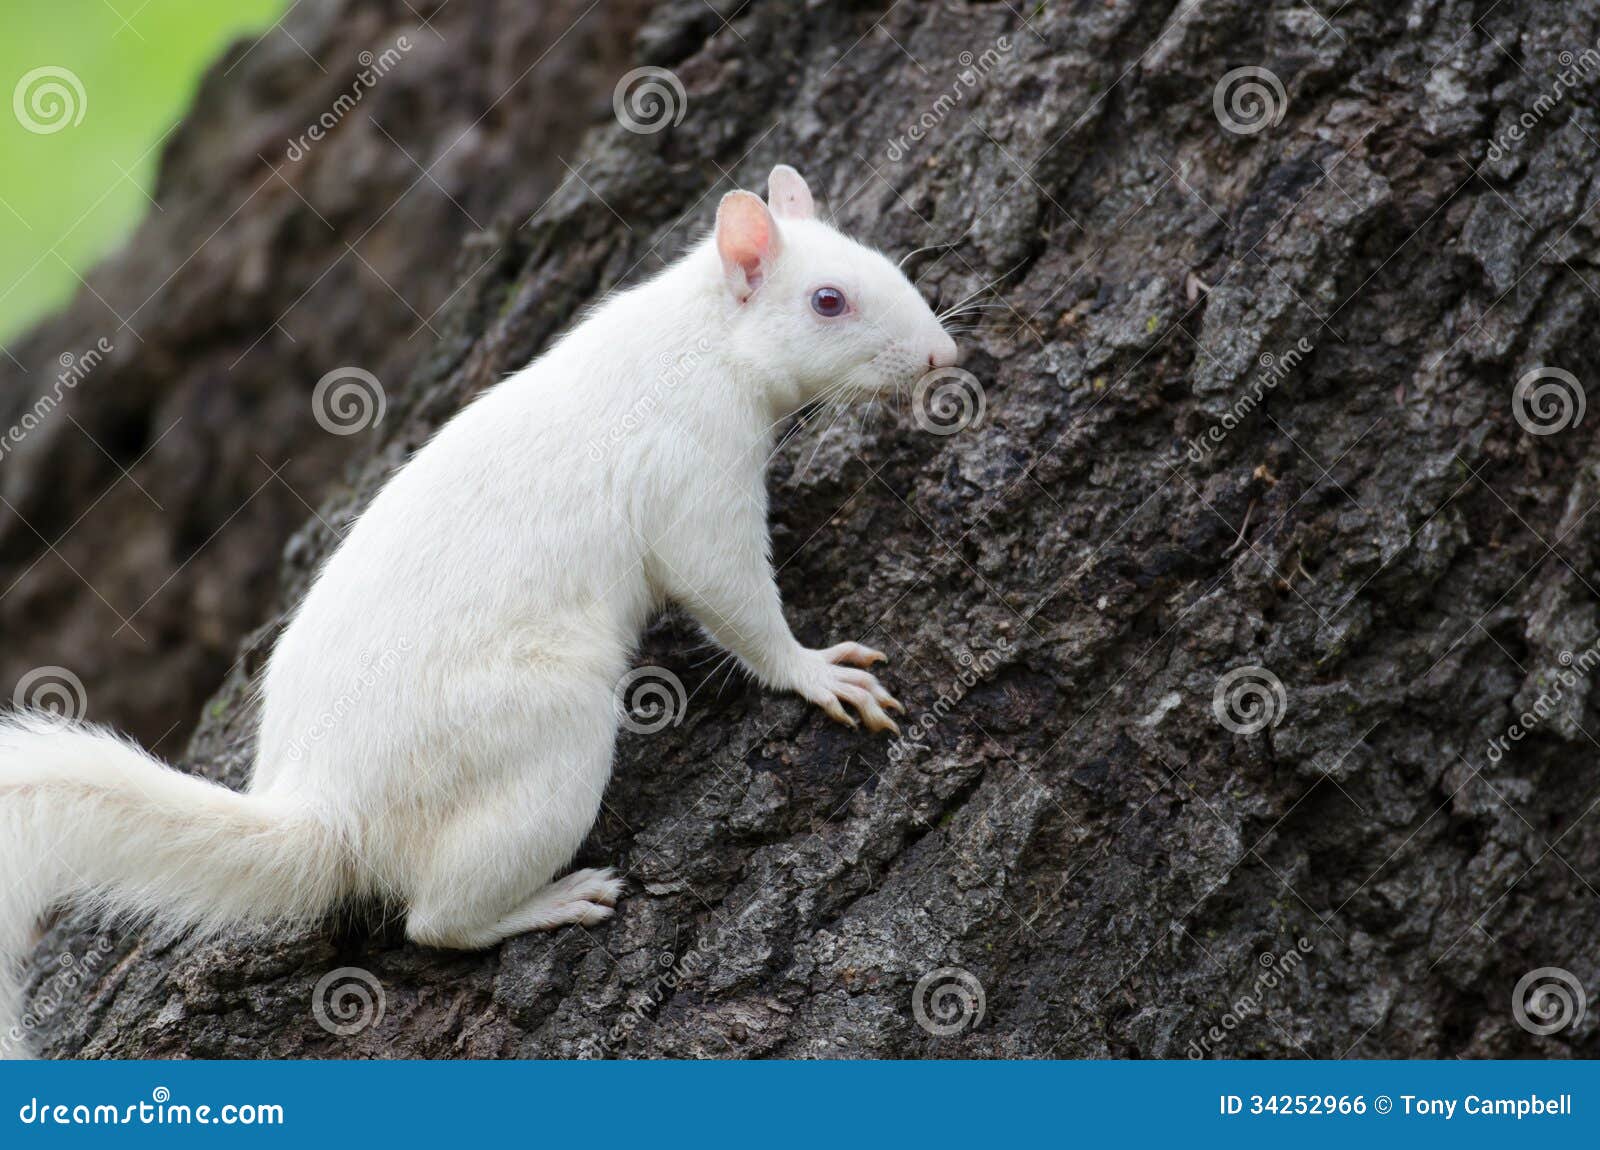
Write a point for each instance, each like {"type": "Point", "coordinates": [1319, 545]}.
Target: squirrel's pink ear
{"type": "Point", "coordinates": [788, 195]}
{"type": "Point", "coordinates": [747, 242]}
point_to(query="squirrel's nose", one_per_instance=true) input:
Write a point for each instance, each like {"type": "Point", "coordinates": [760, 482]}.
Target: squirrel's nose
{"type": "Point", "coordinates": [944, 354]}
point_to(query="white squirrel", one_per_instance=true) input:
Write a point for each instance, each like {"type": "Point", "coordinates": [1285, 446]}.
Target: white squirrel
{"type": "Point", "coordinates": [512, 566]}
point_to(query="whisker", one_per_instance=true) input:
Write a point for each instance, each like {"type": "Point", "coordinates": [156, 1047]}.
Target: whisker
{"type": "Point", "coordinates": [928, 248]}
{"type": "Point", "coordinates": [788, 437]}
{"type": "Point", "coordinates": [969, 297]}
{"type": "Point", "coordinates": [810, 409]}
{"type": "Point", "coordinates": [734, 667]}
{"type": "Point", "coordinates": [972, 309]}
{"type": "Point", "coordinates": [985, 287]}
{"type": "Point", "coordinates": [727, 657]}
{"type": "Point", "coordinates": [717, 654]}
{"type": "Point", "coordinates": [798, 412]}
{"type": "Point", "coordinates": [839, 409]}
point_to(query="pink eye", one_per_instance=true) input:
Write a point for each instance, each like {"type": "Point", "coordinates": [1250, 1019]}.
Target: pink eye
{"type": "Point", "coordinates": [829, 302]}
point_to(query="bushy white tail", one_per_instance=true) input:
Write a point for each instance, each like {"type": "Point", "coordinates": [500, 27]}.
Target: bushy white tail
{"type": "Point", "coordinates": [86, 815]}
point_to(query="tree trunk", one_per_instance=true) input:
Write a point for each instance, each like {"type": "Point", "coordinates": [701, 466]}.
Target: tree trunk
{"type": "Point", "coordinates": [1245, 612]}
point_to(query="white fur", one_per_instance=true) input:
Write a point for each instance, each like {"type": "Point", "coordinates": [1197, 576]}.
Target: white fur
{"type": "Point", "coordinates": [439, 717]}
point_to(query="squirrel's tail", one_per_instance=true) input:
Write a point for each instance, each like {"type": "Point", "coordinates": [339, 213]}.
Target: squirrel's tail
{"type": "Point", "coordinates": [86, 815]}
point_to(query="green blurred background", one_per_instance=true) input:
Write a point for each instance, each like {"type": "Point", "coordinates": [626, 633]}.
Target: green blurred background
{"type": "Point", "coordinates": [69, 196]}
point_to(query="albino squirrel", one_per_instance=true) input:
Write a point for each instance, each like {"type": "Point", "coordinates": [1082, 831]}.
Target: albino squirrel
{"type": "Point", "coordinates": [500, 581]}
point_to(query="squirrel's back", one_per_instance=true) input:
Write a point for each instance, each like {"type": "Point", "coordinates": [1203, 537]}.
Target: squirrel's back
{"type": "Point", "coordinates": [517, 537]}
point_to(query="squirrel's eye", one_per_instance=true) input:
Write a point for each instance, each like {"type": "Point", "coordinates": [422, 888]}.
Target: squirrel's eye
{"type": "Point", "coordinates": [829, 302]}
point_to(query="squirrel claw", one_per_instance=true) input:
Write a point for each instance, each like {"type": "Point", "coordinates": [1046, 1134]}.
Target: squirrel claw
{"type": "Point", "coordinates": [838, 680]}
{"type": "Point", "coordinates": [853, 654]}
{"type": "Point", "coordinates": [837, 713]}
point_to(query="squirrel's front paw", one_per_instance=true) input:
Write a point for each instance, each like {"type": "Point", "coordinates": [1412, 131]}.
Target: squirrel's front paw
{"type": "Point", "coordinates": [833, 680]}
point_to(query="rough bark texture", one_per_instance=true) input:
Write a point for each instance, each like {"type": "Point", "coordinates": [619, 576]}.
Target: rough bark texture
{"type": "Point", "coordinates": [1079, 831]}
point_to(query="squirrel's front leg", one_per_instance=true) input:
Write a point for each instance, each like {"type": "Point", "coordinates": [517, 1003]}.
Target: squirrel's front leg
{"type": "Point", "coordinates": [715, 562]}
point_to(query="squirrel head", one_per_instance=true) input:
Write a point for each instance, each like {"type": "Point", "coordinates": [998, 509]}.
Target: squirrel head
{"type": "Point", "coordinates": [816, 310]}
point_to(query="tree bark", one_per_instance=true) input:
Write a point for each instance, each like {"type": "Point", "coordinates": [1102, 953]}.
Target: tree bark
{"type": "Point", "coordinates": [1250, 438]}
